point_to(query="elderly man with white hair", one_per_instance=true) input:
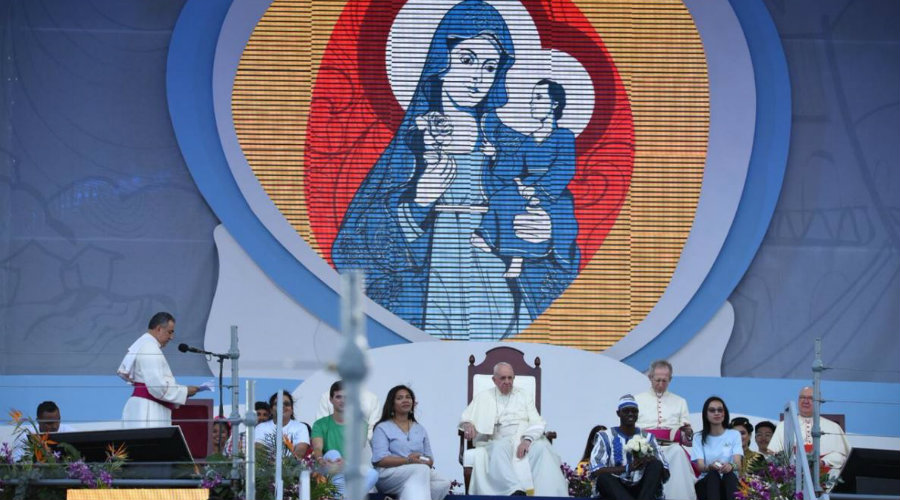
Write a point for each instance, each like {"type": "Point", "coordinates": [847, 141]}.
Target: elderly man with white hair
{"type": "Point", "coordinates": [666, 416]}
{"type": "Point", "coordinates": [512, 456]}
{"type": "Point", "coordinates": [833, 446]}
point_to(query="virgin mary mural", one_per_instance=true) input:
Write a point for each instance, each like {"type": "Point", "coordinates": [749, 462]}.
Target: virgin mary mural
{"type": "Point", "coordinates": [413, 224]}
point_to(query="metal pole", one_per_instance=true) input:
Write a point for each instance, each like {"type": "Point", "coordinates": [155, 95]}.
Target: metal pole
{"type": "Point", "coordinates": [250, 421]}
{"type": "Point", "coordinates": [235, 417]}
{"type": "Point", "coordinates": [221, 399]}
{"type": "Point", "coordinates": [793, 445]}
{"type": "Point", "coordinates": [790, 447]}
{"type": "Point", "coordinates": [817, 368]}
{"type": "Point", "coordinates": [353, 368]}
{"type": "Point", "coordinates": [279, 447]}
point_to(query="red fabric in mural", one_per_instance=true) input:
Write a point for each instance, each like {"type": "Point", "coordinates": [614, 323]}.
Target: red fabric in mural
{"type": "Point", "coordinates": [354, 115]}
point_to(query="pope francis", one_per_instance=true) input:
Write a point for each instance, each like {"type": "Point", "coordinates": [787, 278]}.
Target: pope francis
{"type": "Point", "coordinates": [511, 454]}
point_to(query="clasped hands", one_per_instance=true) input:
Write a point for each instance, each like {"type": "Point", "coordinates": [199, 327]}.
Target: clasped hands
{"type": "Point", "coordinates": [721, 468]}
{"type": "Point", "coordinates": [331, 466]}
{"type": "Point", "coordinates": [640, 462]}
{"type": "Point", "coordinates": [418, 458]}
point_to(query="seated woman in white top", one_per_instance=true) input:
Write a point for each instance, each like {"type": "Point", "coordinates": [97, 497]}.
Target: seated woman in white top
{"type": "Point", "coordinates": [401, 452]}
{"type": "Point", "coordinates": [717, 452]}
{"type": "Point", "coordinates": [296, 432]}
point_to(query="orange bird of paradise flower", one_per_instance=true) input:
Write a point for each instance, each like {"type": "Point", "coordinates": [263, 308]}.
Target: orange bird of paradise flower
{"type": "Point", "coordinates": [41, 445]}
{"type": "Point", "coordinates": [16, 416]}
{"type": "Point", "coordinates": [116, 453]}
{"type": "Point", "coordinates": [288, 443]}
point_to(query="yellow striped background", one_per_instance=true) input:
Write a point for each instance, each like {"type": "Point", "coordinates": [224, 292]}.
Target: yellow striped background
{"type": "Point", "coordinates": [660, 59]}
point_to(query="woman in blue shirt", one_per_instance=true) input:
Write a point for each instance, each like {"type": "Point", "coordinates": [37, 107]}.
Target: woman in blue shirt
{"type": "Point", "coordinates": [717, 453]}
{"type": "Point", "coordinates": [401, 452]}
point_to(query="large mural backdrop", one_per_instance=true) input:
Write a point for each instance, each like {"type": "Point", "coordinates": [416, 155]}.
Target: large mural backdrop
{"type": "Point", "coordinates": [605, 175]}
{"type": "Point", "coordinates": [500, 170]}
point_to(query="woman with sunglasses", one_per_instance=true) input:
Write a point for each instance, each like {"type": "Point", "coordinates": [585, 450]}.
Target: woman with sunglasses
{"type": "Point", "coordinates": [717, 453]}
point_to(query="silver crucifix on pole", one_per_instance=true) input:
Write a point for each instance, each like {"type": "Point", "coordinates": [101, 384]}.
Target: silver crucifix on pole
{"type": "Point", "coordinates": [353, 368]}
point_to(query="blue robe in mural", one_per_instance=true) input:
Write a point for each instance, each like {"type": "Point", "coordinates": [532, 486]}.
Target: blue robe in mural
{"type": "Point", "coordinates": [419, 261]}
{"type": "Point", "coordinates": [547, 167]}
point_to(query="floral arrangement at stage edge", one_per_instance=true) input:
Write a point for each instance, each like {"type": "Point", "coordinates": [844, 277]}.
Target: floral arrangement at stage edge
{"type": "Point", "coordinates": [579, 481]}
{"type": "Point", "coordinates": [321, 487]}
{"type": "Point", "coordinates": [456, 488]}
{"type": "Point", "coordinates": [43, 458]}
{"type": "Point", "coordinates": [774, 479]}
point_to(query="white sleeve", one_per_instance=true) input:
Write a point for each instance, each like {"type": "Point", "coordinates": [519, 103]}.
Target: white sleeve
{"type": "Point", "coordinates": [738, 447]}
{"type": "Point", "coordinates": [536, 423]}
{"type": "Point", "coordinates": [158, 377]}
{"type": "Point", "coordinates": [685, 416]}
{"type": "Point", "coordinates": [777, 443]}
{"type": "Point", "coordinates": [300, 434]}
{"type": "Point", "coordinates": [325, 407]}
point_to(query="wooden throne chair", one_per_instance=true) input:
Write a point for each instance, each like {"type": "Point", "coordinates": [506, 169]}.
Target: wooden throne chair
{"type": "Point", "coordinates": [479, 378]}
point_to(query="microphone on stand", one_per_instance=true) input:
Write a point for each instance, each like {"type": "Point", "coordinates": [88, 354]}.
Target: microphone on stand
{"type": "Point", "coordinates": [187, 348]}
{"type": "Point", "coordinates": [222, 357]}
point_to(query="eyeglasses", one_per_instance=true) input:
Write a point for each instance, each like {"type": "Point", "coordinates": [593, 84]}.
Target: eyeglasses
{"type": "Point", "coordinates": [716, 410]}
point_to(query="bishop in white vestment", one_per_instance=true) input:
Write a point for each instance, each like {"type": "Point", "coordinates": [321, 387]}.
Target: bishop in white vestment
{"type": "Point", "coordinates": [511, 453]}
{"type": "Point", "coordinates": [156, 392]}
{"type": "Point", "coordinates": [833, 446]}
{"type": "Point", "coordinates": [661, 409]}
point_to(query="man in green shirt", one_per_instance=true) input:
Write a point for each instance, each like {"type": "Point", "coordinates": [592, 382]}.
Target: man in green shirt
{"type": "Point", "coordinates": [328, 441]}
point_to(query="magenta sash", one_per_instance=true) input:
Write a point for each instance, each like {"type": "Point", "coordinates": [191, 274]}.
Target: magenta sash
{"type": "Point", "coordinates": [141, 391]}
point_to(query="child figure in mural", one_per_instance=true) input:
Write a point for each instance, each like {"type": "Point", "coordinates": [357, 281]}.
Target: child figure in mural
{"type": "Point", "coordinates": [539, 181]}
{"type": "Point", "coordinates": [412, 223]}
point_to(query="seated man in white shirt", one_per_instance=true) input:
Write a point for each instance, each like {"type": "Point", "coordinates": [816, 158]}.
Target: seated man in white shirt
{"type": "Point", "coordinates": [833, 446]}
{"type": "Point", "coordinates": [48, 420]}
{"type": "Point", "coordinates": [666, 416]}
{"type": "Point", "coordinates": [512, 456]}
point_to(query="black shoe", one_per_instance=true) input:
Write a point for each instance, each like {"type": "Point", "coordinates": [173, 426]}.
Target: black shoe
{"type": "Point", "coordinates": [519, 493]}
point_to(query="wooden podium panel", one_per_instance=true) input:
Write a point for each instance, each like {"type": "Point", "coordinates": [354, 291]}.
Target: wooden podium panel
{"type": "Point", "coordinates": [195, 420]}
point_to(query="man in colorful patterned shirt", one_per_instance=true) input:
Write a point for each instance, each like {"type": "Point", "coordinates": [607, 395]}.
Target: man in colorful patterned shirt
{"type": "Point", "coordinates": [621, 473]}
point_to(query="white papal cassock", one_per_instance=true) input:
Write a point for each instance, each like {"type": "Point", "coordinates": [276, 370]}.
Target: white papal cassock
{"type": "Point", "coordinates": [833, 446]}
{"type": "Point", "coordinates": [669, 411]}
{"type": "Point", "coordinates": [501, 421]}
{"type": "Point", "coordinates": [145, 364]}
